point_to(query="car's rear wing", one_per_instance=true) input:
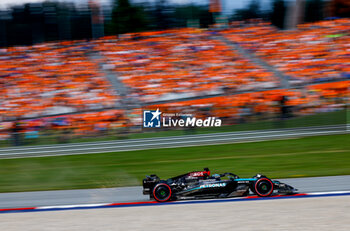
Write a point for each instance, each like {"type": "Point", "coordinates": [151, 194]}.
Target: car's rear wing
{"type": "Point", "coordinates": [149, 182]}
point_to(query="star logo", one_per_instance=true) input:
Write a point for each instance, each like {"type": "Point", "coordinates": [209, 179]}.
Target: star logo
{"type": "Point", "coordinates": [156, 114]}
{"type": "Point", "coordinates": [151, 119]}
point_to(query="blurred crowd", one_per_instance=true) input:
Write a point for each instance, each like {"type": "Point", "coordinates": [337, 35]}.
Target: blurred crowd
{"type": "Point", "coordinates": [65, 127]}
{"type": "Point", "coordinates": [181, 63]}
{"type": "Point", "coordinates": [316, 52]}
{"type": "Point", "coordinates": [326, 97]}
{"type": "Point", "coordinates": [50, 79]}
{"type": "Point", "coordinates": [233, 109]}
{"type": "Point", "coordinates": [40, 82]}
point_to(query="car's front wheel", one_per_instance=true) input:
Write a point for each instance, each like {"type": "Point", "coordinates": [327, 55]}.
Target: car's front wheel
{"type": "Point", "coordinates": [263, 187]}
{"type": "Point", "coordinates": [162, 192]}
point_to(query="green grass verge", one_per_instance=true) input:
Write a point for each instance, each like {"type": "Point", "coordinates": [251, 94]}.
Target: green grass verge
{"type": "Point", "coordinates": [310, 156]}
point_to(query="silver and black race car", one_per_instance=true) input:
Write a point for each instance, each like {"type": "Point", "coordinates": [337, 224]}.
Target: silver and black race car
{"type": "Point", "coordinates": [202, 185]}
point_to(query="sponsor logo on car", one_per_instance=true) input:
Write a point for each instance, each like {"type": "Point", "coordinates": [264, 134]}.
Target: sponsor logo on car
{"type": "Point", "coordinates": [243, 182]}
{"type": "Point", "coordinates": [216, 185]}
{"type": "Point", "coordinates": [199, 174]}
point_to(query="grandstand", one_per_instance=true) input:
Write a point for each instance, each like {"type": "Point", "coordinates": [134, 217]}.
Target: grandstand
{"type": "Point", "coordinates": [316, 52]}
{"type": "Point", "coordinates": [181, 64]}
{"type": "Point", "coordinates": [234, 108]}
{"type": "Point", "coordinates": [49, 79]}
{"type": "Point", "coordinates": [61, 86]}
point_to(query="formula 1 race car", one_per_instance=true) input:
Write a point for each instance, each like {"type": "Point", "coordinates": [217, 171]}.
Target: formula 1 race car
{"type": "Point", "coordinates": [202, 185]}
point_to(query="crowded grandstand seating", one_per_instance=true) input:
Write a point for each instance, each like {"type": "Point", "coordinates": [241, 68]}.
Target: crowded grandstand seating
{"type": "Point", "coordinates": [315, 52]}
{"type": "Point", "coordinates": [309, 100]}
{"type": "Point", "coordinates": [233, 109]}
{"type": "Point", "coordinates": [180, 64]}
{"type": "Point", "coordinates": [49, 79]}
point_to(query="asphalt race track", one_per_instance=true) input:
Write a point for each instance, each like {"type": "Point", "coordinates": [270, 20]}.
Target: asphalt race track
{"type": "Point", "coordinates": [304, 214]}
{"type": "Point", "coordinates": [134, 194]}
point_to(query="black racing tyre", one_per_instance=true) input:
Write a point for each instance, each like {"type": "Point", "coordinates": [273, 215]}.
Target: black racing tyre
{"type": "Point", "coordinates": [162, 192]}
{"type": "Point", "coordinates": [263, 187]}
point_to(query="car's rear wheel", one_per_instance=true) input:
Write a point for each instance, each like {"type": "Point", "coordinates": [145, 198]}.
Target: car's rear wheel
{"type": "Point", "coordinates": [162, 192]}
{"type": "Point", "coordinates": [263, 187]}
